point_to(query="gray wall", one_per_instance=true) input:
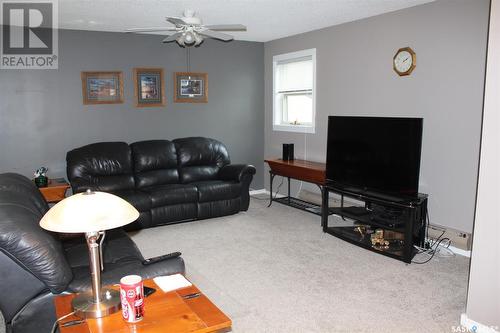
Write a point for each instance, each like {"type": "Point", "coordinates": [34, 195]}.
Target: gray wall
{"type": "Point", "coordinates": [42, 115]}
{"type": "Point", "coordinates": [355, 77]}
{"type": "Point", "coordinates": [483, 301]}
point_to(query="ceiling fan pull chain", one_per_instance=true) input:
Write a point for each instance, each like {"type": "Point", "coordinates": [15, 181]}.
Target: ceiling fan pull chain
{"type": "Point", "coordinates": [188, 59]}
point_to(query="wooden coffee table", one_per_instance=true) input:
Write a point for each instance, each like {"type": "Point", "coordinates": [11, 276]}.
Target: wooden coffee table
{"type": "Point", "coordinates": [164, 312]}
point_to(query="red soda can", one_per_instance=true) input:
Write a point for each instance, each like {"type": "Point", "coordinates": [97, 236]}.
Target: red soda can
{"type": "Point", "coordinates": [132, 298]}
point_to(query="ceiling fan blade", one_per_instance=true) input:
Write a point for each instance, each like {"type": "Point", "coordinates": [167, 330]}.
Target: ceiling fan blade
{"type": "Point", "coordinates": [216, 35]}
{"type": "Point", "coordinates": [227, 27]}
{"type": "Point", "coordinates": [151, 29]}
{"type": "Point", "coordinates": [176, 20]}
{"type": "Point", "coordinates": [172, 38]}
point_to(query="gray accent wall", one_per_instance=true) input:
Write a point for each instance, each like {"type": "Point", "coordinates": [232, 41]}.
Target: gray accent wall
{"type": "Point", "coordinates": [42, 115]}
{"type": "Point", "coordinates": [355, 77]}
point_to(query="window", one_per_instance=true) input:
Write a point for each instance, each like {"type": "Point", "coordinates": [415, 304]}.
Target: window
{"type": "Point", "coordinates": [294, 78]}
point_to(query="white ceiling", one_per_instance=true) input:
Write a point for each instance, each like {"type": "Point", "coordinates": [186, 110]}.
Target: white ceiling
{"type": "Point", "coordinates": [265, 19]}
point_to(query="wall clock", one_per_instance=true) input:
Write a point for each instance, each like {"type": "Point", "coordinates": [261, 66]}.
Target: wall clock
{"type": "Point", "coordinates": [404, 61]}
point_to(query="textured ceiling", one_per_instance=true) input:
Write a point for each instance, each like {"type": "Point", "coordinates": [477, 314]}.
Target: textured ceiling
{"type": "Point", "coordinates": [266, 19]}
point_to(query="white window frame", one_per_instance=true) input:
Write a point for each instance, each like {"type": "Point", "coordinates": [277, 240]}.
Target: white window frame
{"type": "Point", "coordinates": [276, 105]}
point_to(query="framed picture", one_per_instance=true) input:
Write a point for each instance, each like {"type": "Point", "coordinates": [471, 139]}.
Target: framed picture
{"type": "Point", "coordinates": [190, 87]}
{"type": "Point", "coordinates": [149, 87]}
{"type": "Point", "coordinates": [102, 87]}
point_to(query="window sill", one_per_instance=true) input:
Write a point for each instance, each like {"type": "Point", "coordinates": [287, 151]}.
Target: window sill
{"type": "Point", "coordinates": [294, 128]}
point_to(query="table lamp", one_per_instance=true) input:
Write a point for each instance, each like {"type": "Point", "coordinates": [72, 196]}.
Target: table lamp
{"type": "Point", "coordinates": [92, 213]}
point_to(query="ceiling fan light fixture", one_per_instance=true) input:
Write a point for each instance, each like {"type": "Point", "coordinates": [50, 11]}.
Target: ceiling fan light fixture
{"type": "Point", "coordinates": [188, 30]}
{"type": "Point", "coordinates": [189, 37]}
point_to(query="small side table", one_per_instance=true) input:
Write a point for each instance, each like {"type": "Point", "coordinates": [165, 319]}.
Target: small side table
{"type": "Point", "coordinates": [164, 312]}
{"type": "Point", "coordinates": [55, 190]}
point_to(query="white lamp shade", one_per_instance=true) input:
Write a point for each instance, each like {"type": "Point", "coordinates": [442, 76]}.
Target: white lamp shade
{"type": "Point", "coordinates": [89, 212]}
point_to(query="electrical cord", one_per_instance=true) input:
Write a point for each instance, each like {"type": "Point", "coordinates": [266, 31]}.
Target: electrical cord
{"type": "Point", "coordinates": [275, 193]}
{"type": "Point", "coordinates": [278, 189]}
{"type": "Point", "coordinates": [433, 252]}
{"type": "Point", "coordinates": [430, 249]}
{"type": "Point", "coordinates": [54, 327]}
{"type": "Point", "coordinates": [305, 158]}
{"type": "Point", "coordinates": [436, 240]}
{"type": "Point", "coordinates": [432, 242]}
{"type": "Point", "coordinates": [445, 252]}
{"type": "Point", "coordinates": [431, 245]}
{"type": "Point", "coordinates": [428, 220]}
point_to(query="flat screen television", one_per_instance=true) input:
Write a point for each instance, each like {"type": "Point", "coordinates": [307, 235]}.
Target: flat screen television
{"type": "Point", "coordinates": [374, 155]}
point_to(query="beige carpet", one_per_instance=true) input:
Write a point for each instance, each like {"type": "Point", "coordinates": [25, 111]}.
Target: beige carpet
{"type": "Point", "coordinates": [274, 270]}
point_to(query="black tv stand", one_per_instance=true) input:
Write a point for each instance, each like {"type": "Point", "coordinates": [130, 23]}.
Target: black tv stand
{"type": "Point", "coordinates": [400, 221]}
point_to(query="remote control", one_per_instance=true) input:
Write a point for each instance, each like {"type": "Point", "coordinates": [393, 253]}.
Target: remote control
{"type": "Point", "coordinates": [148, 291]}
{"type": "Point", "coordinates": [161, 258]}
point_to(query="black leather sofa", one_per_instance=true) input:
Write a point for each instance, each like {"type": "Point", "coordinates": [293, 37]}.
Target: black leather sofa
{"type": "Point", "coordinates": [35, 264]}
{"type": "Point", "coordinates": [166, 181]}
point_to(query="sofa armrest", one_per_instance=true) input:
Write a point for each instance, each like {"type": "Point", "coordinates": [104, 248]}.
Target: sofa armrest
{"type": "Point", "coordinates": [236, 172]}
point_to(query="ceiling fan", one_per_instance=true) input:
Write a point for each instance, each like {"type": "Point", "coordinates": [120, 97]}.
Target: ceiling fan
{"type": "Point", "coordinates": [188, 30]}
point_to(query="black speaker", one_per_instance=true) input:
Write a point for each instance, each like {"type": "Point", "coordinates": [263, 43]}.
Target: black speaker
{"type": "Point", "coordinates": [288, 152]}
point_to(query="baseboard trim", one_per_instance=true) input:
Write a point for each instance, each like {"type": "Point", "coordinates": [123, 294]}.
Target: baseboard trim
{"type": "Point", "coordinates": [460, 252]}
{"type": "Point", "coordinates": [475, 327]}
{"type": "Point", "coordinates": [261, 191]}
{"type": "Point", "coordinates": [264, 191]}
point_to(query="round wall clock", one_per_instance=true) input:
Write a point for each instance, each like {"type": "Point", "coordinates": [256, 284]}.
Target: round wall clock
{"type": "Point", "coordinates": [404, 61]}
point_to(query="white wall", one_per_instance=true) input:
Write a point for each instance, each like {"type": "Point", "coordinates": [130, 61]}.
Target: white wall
{"type": "Point", "coordinates": [355, 77]}
{"type": "Point", "coordinates": [483, 300]}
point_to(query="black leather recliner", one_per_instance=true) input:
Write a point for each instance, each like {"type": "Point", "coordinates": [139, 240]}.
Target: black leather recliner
{"type": "Point", "coordinates": [35, 264]}
{"type": "Point", "coordinates": [166, 181]}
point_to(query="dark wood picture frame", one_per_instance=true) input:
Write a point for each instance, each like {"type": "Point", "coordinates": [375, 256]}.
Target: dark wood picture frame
{"type": "Point", "coordinates": [156, 84]}
{"type": "Point", "coordinates": [190, 87]}
{"type": "Point", "coordinates": [102, 87]}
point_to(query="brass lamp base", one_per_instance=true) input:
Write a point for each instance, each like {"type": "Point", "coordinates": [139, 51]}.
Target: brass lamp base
{"type": "Point", "coordinates": [85, 305]}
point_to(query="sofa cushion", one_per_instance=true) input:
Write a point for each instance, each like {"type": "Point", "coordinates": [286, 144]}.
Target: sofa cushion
{"type": "Point", "coordinates": [200, 158]}
{"type": "Point", "coordinates": [104, 166]}
{"type": "Point", "coordinates": [155, 163]}
{"type": "Point", "coordinates": [165, 195]}
{"type": "Point", "coordinates": [213, 190]}
{"type": "Point", "coordinates": [140, 200]}
{"type": "Point", "coordinates": [174, 213]}
{"type": "Point", "coordinates": [218, 208]}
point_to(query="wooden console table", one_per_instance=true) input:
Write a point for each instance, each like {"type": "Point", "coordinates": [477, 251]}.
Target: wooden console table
{"type": "Point", "coordinates": [308, 171]}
